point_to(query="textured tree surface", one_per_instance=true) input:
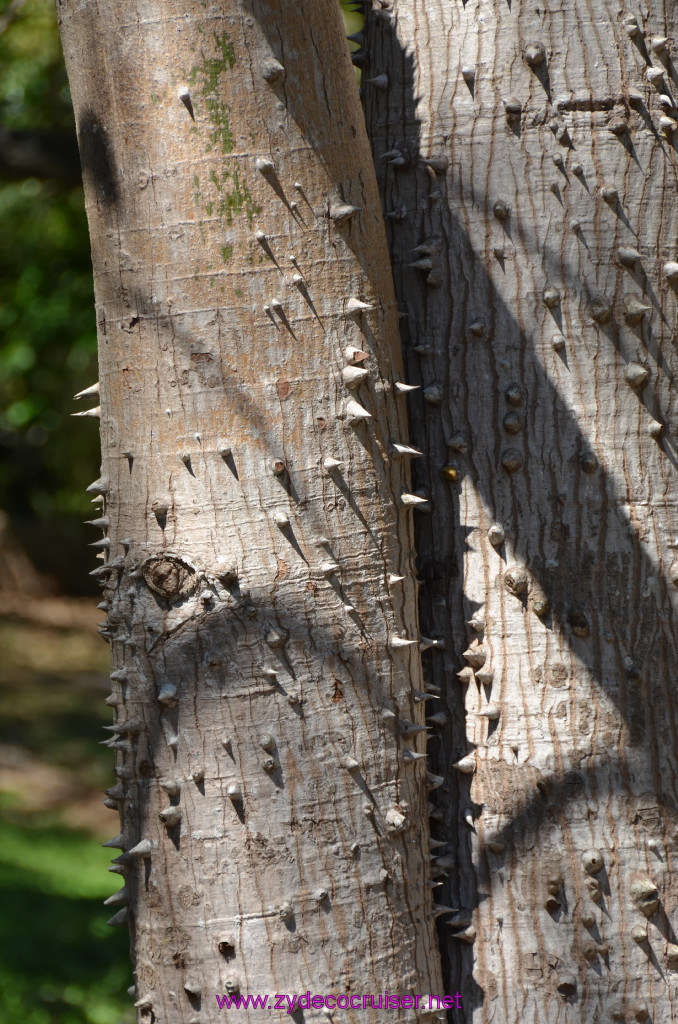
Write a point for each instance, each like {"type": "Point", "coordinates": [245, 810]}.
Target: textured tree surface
{"type": "Point", "coordinates": [257, 556]}
{"type": "Point", "coordinates": [527, 166]}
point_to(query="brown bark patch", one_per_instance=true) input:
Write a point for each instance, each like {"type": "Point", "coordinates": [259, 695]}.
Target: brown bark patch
{"type": "Point", "coordinates": [169, 576]}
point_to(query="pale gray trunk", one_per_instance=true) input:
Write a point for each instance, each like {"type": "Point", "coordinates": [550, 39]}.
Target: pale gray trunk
{"type": "Point", "coordinates": [258, 568]}
{"type": "Point", "coordinates": [546, 220]}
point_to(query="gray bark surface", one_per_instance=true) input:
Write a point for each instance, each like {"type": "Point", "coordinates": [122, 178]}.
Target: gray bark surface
{"type": "Point", "coordinates": [535, 257]}
{"type": "Point", "coordinates": [261, 604]}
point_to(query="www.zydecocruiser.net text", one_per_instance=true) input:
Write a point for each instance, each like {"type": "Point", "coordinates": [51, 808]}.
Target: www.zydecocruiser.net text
{"type": "Point", "coordinates": [382, 1001]}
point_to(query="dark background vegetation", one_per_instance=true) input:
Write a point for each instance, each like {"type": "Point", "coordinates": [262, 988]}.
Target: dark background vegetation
{"type": "Point", "coordinates": [59, 962]}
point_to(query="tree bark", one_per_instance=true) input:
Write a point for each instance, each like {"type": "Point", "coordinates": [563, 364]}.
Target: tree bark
{"type": "Point", "coordinates": [257, 519]}
{"type": "Point", "coordinates": [528, 175]}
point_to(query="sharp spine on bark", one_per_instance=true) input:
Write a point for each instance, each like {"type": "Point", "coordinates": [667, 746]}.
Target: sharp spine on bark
{"type": "Point", "coordinates": [475, 656]}
{"type": "Point", "coordinates": [102, 523]}
{"type": "Point", "coordinates": [551, 297]}
{"type": "Point", "coordinates": [142, 849]}
{"type": "Point", "coordinates": [341, 212]}
{"type": "Point", "coordinates": [419, 696]}
{"type": "Point", "coordinates": [404, 450]}
{"type": "Point", "coordinates": [410, 757]}
{"type": "Point", "coordinates": [281, 519]}
{"type": "Point", "coordinates": [353, 376]}
{"type": "Point", "coordinates": [355, 412]}
{"type": "Point", "coordinates": [399, 641]}
{"type": "Point", "coordinates": [501, 210]}
{"type": "Point", "coordinates": [438, 910]}
{"type": "Point", "coordinates": [630, 23]}
{"type": "Point", "coordinates": [355, 355]}
{"type": "Point", "coordinates": [119, 898]}
{"type": "Point", "coordinates": [467, 765]}
{"type": "Point", "coordinates": [99, 487]}
{"type": "Point", "coordinates": [264, 165]}
{"type": "Point", "coordinates": [88, 392]}
{"type": "Point", "coordinates": [234, 793]}
{"type": "Point", "coordinates": [535, 54]}
{"type": "Point", "coordinates": [634, 310]}
{"type": "Point", "coordinates": [404, 389]}
{"type": "Point", "coordinates": [413, 500]}
{"type": "Point", "coordinates": [391, 579]}
{"type": "Point", "coordinates": [433, 394]}
{"type": "Point", "coordinates": [105, 570]}
{"type": "Point", "coordinates": [437, 164]}
{"type": "Point", "coordinates": [167, 694]}
{"type": "Point", "coordinates": [271, 70]}
{"type": "Point", "coordinates": [434, 781]}
{"type": "Point", "coordinates": [671, 271]}
{"type": "Point", "coordinates": [118, 920]}
{"type": "Point", "coordinates": [468, 74]}
{"type": "Point", "coordinates": [425, 643]}
{"type": "Point", "coordinates": [636, 376]}
{"type": "Point", "coordinates": [399, 213]}
{"type": "Point", "coordinates": [496, 535]}
{"type": "Point", "coordinates": [379, 82]}
{"type": "Point", "coordinates": [609, 193]}
{"type": "Point", "coordinates": [116, 843]}
{"type": "Point", "coordinates": [354, 307]}
{"type": "Point", "coordinates": [170, 816]}
{"type": "Point", "coordinates": [329, 464]}
{"type": "Point", "coordinates": [184, 94]}
{"type": "Point", "coordinates": [407, 728]}
{"type": "Point", "coordinates": [458, 443]}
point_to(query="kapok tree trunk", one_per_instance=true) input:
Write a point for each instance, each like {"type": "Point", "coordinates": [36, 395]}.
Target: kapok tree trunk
{"type": "Point", "coordinates": [257, 514]}
{"type": "Point", "coordinates": [528, 173]}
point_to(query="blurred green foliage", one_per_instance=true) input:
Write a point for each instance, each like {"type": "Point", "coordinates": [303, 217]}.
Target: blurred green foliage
{"type": "Point", "coordinates": [59, 961]}
{"type": "Point", "coordinates": [47, 326]}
